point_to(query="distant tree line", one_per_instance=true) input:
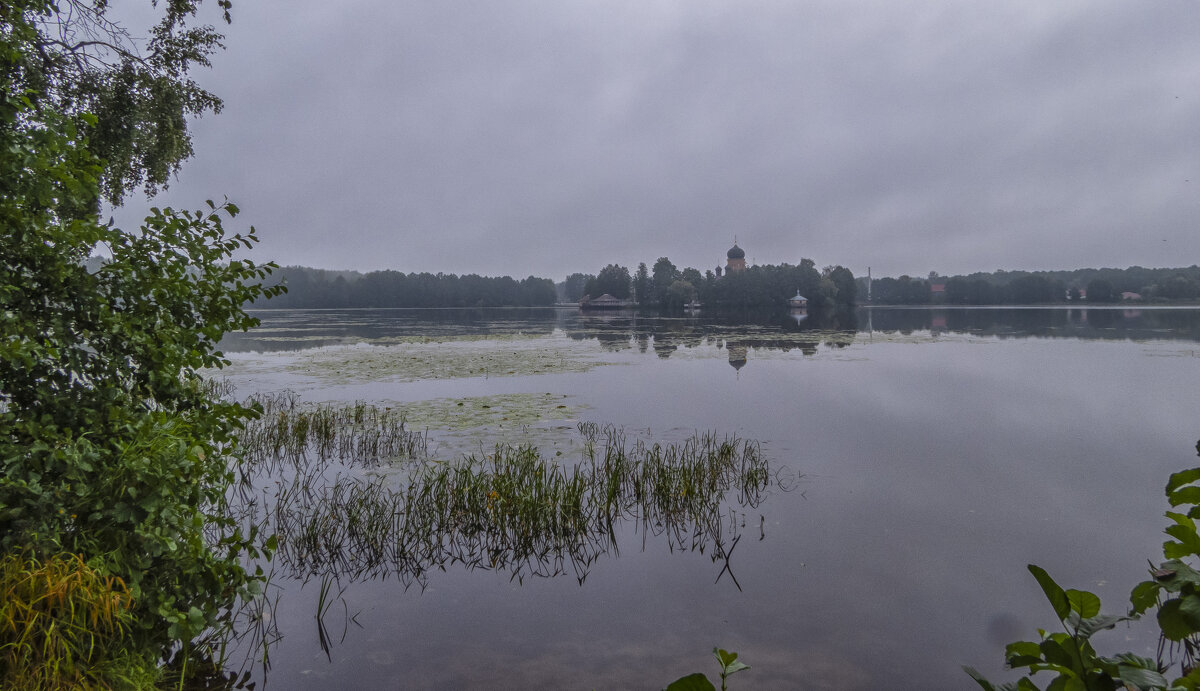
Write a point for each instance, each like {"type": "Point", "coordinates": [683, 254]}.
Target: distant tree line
{"type": "Point", "coordinates": [667, 287]}
{"type": "Point", "coordinates": [319, 288]}
{"type": "Point", "coordinates": [1038, 287]}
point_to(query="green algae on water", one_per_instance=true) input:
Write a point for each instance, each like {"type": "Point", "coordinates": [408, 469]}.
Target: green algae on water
{"type": "Point", "coordinates": [447, 360]}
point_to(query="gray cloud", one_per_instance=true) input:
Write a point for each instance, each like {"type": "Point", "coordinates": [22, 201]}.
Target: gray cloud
{"type": "Point", "coordinates": [549, 137]}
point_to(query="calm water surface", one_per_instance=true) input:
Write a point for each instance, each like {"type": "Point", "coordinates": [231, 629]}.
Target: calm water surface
{"type": "Point", "coordinates": [927, 456]}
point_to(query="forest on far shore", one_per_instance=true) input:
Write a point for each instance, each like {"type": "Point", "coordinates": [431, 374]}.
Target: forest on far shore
{"type": "Point", "coordinates": [666, 286]}
{"type": "Point", "coordinates": [325, 289]}
{"type": "Point", "coordinates": [1134, 284]}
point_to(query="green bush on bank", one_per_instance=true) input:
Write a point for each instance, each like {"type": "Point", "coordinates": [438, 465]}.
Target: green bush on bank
{"type": "Point", "coordinates": [110, 448]}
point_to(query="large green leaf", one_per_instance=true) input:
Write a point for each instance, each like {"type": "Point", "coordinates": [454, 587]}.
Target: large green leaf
{"type": "Point", "coordinates": [1088, 627]}
{"type": "Point", "coordinates": [692, 682]}
{"type": "Point", "coordinates": [729, 662]}
{"type": "Point", "coordinates": [1085, 603]}
{"type": "Point", "coordinates": [1058, 654]}
{"type": "Point", "coordinates": [1185, 495]}
{"type": "Point", "coordinates": [1184, 531]}
{"type": "Point", "coordinates": [1173, 621]}
{"type": "Point", "coordinates": [1142, 678]}
{"type": "Point", "coordinates": [1067, 683]}
{"type": "Point", "coordinates": [989, 686]}
{"type": "Point", "coordinates": [1174, 575]}
{"type": "Point", "coordinates": [1022, 654]}
{"type": "Point", "coordinates": [1054, 593]}
{"type": "Point", "coordinates": [1144, 596]}
{"type": "Point", "coordinates": [1183, 477]}
{"type": "Point", "coordinates": [1191, 680]}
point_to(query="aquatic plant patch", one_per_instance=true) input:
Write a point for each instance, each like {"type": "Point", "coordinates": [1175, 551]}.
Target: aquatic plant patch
{"type": "Point", "coordinates": [369, 434]}
{"type": "Point", "coordinates": [422, 361]}
{"type": "Point", "coordinates": [514, 510]}
{"type": "Point", "coordinates": [492, 412]}
{"type": "Point", "coordinates": [357, 433]}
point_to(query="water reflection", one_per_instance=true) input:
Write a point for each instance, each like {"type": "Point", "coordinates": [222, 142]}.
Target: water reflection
{"type": "Point", "coordinates": [934, 474]}
{"type": "Point", "coordinates": [283, 330]}
{"type": "Point", "coordinates": [1089, 323]}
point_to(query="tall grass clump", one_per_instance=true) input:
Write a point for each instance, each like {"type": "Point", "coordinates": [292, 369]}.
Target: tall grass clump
{"type": "Point", "coordinates": [512, 509]}
{"type": "Point", "coordinates": [65, 624]}
{"type": "Point", "coordinates": [291, 434]}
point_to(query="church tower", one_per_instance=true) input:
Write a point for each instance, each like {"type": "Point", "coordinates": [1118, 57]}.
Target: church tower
{"type": "Point", "coordinates": [737, 259]}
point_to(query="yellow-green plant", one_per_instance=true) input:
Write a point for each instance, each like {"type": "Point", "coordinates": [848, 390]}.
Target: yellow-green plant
{"type": "Point", "coordinates": [64, 624]}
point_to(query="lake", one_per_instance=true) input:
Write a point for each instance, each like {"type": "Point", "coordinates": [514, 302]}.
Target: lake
{"type": "Point", "coordinates": [919, 459]}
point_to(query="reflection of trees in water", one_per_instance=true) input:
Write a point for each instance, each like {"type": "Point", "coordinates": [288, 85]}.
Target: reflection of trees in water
{"type": "Point", "coordinates": [283, 330]}
{"type": "Point", "coordinates": [776, 330]}
{"type": "Point", "coordinates": [297, 329]}
{"type": "Point", "coordinates": [1083, 323]}
{"type": "Point", "coordinates": [511, 510]}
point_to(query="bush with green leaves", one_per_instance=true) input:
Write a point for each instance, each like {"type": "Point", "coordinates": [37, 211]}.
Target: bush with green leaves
{"type": "Point", "coordinates": [110, 447]}
{"type": "Point", "coordinates": [1173, 591]}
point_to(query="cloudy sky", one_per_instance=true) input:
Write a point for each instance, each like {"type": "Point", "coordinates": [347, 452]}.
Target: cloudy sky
{"type": "Point", "coordinates": [547, 137]}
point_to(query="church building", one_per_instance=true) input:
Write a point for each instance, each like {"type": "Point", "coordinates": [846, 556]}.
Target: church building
{"type": "Point", "coordinates": [735, 260]}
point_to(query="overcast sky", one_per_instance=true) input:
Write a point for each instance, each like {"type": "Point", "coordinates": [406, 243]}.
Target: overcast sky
{"type": "Point", "coordinates": [512, 137]}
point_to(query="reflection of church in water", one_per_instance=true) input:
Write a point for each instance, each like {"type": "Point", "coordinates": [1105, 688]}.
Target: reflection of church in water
{"type": "Point", "coordinates": [737, 355]}
{"type": "Point", "coordinates": [735, 262]}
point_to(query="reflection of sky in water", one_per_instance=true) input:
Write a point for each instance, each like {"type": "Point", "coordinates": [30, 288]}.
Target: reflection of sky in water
{"type": "Point", "coordinates": [936, 466]}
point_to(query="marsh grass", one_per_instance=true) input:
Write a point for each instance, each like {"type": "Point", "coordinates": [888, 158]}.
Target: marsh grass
{"type": "Point", "coordinates": [350, 493]}
{"type": "Point", "coordinates": [288, 432]}
{"type": "Point", "coordinates": [513, 510]}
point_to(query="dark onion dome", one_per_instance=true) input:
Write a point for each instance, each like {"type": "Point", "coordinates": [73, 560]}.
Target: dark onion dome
{"type": "Point", "coordinates": [736, 252]}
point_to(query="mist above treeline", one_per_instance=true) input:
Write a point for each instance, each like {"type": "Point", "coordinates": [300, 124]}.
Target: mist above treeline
{"type": "Point", "coordinates": [664, 285]}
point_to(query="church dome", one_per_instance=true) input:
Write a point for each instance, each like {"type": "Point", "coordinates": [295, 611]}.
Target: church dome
{"type": "Point", "coordinates": [736, 252]}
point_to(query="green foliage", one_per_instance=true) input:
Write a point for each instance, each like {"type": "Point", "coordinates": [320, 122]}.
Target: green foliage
{"type": "Point", "coordinates": [643, 285]}
{"type": "Point", "coordinates": [70, 57]}
{"type": "Point", "coordinates": [692, 682]}
{"type": "Point", "coordinates": [680, 293]}
{"type": "Point", "coordinates": [1100, 290]}
{"type": "Point", "coordinates": [110, 446]}
{"type": "Point", "coordinates": [1069, 654]}
{"type": "Point", "coordinates": [774, 285]}
{"type": "Point", "coordinates": [613, 280]}
{"type": "Point", "coordinates": [730, 665]}
{"type": "Point", "coordinates": [664, 274]}
{"type": "Point", "coordinates": [1173, 590]}
{"type": "Point", "coordinates": [757, 286]}
{"type": "Point", "coordinates": [318, 288]}
{"type": "Point", "coordinates": [1101, 286]}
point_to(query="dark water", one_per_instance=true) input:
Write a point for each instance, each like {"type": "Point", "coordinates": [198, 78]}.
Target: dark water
{"type": "Point", "coordinates": [937, 453]}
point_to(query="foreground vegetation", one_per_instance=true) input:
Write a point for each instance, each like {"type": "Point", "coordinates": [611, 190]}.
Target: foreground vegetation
{"type": "Point", "coordinates": [1172, 592]}
{"type": "Point", "coordinates": [119, 562]}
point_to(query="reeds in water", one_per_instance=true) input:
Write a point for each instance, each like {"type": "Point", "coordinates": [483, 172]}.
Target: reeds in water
{"type": "Point", "coordinates": [514, 510]}
{"type": "Point", "coordinates": [289, 431]}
